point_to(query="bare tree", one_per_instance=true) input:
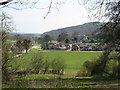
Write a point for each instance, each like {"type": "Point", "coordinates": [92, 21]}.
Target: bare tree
{"type": "Point", "coordinates": [5, 28]}
{"type": "Point", "coordinates": [5, 2]}
{"type": "Point", "coordinates": [108, 11]}
{"type": "Point", "coordinates": [27, 4]}
{"type": "Point", "coordinates": [102, 9]}
{"type": "Point", "coordinates": [18, 4]}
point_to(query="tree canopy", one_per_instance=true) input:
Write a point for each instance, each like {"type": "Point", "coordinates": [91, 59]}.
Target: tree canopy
{"type": "Point", "coordinates": [62, 37]}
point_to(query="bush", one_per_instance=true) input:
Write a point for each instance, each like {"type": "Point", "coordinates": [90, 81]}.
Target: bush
{"type": "Point", "coordinates": [90, 68]}
{"type": "Point", "coordinates": [57, 65]}
{"type": "Point", "coordinates": [46, 66]}
{"type": "Point", "coordinates": [106, 65]}
{"type": "Point", "coordinates": [113, 68]}
{"type": "Point", "coordinates": [41, 64]}
{"type": "Point", "coordinates": [94, 67]}
{"type": "Point", "coordinates": [37, 62]}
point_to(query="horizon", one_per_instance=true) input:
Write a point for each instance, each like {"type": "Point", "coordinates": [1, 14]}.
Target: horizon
{"type": "Point", "coordinates": [50, 30]}
{"type": "Point", "coordinates": [32, 20]}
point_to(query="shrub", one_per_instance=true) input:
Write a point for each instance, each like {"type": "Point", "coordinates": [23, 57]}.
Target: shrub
{"type": "Point", "coordinates": [90, 67]}
{"type": "Point", "coordinates": [37, 62]}
{"type": "Point", "coordinates": [46, 64]}
{"type": "Point", "coordinates": [57, 65]}
{"type": "Point", "coordinates": [94, 67]}
{"type": "Point", "coordinates": [106, 65]}
{"type": "Point", "coordinates": [113, 68]}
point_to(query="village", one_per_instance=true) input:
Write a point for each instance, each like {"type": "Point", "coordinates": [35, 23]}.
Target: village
{"type": "Point", "coordinates": [54, 45]}
{"type": "Point", "coordinates": [80, 44]}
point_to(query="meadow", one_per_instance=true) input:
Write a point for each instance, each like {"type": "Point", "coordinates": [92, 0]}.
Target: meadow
{"type": "Point", "coordinates": [73, 60]}
{"type": "Point", "coordinates": [73, 63]}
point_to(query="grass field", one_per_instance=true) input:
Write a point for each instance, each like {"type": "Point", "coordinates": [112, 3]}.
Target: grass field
{"type": "Point", "coordinates": [73, 60]}
{"type": "Point", "coordinates": [74, 63]}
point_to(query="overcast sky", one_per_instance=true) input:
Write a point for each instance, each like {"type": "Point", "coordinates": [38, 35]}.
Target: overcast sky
{"type": "Point", "coordinates": [32, 20]}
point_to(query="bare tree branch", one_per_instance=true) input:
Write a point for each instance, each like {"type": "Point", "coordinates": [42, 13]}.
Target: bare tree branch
{"type": "Point", "coordinates": [49, 10]}
{"type": "Point", "coordinates": [5, 2]}
{"type": "Point", "coordinates": [19, 4]}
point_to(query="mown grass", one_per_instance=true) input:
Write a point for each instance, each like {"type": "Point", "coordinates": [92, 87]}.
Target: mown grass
{"type": "Point", "coordinates": [73, 60]}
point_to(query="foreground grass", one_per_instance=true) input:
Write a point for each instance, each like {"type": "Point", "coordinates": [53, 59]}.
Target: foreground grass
{"type": "Point", "coordinates": [56, 81]}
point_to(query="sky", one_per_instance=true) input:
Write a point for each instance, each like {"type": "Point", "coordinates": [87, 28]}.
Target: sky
{"type": "Point", "coordinates": [69, 14]}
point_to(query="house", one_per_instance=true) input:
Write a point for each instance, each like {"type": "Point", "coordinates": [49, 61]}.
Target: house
{"type": "Point", "coordinates": [75, 47]}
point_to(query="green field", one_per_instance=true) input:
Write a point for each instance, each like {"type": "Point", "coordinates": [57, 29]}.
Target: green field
{"type": "Point", "coordinates": [74, 63]}
{"type": "Point", "coordinates": [73, 60]}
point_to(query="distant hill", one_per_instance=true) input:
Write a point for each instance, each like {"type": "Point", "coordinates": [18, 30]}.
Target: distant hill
{"type": "Point", "coordinates": [25, 35]}
{"type": "Point", "coordinates": [84, 29]}
{"type": "Point", "coordinates": [20, 33]}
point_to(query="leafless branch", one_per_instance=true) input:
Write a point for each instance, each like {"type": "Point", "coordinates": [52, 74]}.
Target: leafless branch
{"type": "Point", "coordinates": [20, 4]}
{"type": "Point", "coordinates": [49, 10]}
{"type": "Point", "coordinates": [5, 2]}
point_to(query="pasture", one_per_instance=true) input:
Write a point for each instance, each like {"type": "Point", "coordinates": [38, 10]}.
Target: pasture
{"type": "Point", "coordinates": [73, 63]}
{"type": "Point", "coordinates": [73, 60]}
